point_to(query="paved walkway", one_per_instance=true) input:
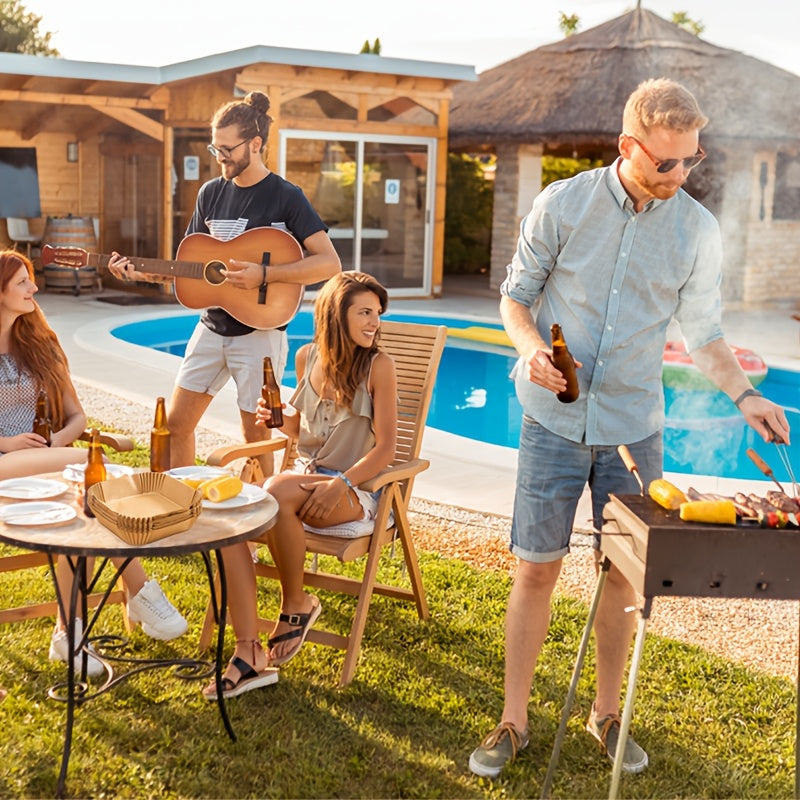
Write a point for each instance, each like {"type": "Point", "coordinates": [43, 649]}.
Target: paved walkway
{"type": "Point", "coordinates": [119, 381]}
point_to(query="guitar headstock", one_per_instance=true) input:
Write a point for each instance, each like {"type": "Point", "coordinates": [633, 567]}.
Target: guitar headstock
{"type": "Point", "coordinates": [64, 256]}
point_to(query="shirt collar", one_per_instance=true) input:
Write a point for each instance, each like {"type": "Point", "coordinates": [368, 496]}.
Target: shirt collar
{"type": "Point", "coordinates": [619, 193]}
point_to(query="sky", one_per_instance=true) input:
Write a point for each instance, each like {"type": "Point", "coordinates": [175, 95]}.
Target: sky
{"type": "Point", "coordinates": [478, 34]}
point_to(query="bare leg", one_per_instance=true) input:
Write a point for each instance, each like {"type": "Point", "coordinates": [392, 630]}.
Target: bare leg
{"type": "Point", "coordinates": [183, 415]}
{"type": "Point", "coordinates": [613, 629]}
{"type": "Point", "coordinates": [287, 544]}
{"type": "Point", "coordinates": [258, 433]}
{"type": "Point", "coordinates": [527, 621]}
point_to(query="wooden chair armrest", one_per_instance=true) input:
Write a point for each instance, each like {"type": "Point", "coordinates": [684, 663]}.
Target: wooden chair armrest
{"type": "Point", "coordinates": [116, 441]}
{"type": "Point", "coordinates": [224, 455]}
{"type": "Point", "coordinates": [398, 472]}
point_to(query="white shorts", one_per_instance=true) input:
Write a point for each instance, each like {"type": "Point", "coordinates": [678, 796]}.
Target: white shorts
{"type": "Point", "coordinates": [368, 500]}
{"type": "Point", "coordinates": [212, 359]}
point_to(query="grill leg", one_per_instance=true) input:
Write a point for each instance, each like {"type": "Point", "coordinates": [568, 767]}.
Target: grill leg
{"type": "Point", "coordinates": [630, 694]}
{"type": "Point", "coordinates": [573, 686]}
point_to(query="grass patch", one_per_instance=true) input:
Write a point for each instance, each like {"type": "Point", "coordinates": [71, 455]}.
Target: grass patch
{"type": "Point", "coordinates": [423, 696]}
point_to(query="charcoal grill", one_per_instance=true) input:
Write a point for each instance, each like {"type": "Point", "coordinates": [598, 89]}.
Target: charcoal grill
{"type": "Point", "coordinates": [660, 555]}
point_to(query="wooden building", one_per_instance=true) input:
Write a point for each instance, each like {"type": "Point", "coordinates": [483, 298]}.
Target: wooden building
{"type": "Point", "coordinates": [567, 98]}
{"type": "Point", "coordinates": [124, 148]}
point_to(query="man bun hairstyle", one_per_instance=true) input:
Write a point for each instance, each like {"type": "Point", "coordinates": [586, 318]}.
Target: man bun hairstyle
{"type": "Point", "coordinates": [249, 115]}
{"type": "Point", "coordinates": [661, 103]}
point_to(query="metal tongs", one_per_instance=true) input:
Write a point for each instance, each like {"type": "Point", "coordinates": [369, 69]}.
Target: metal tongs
{"type": "Point", "coordinates": [783, 453]}
{"type": "Point", "coordinates": [780, 446]}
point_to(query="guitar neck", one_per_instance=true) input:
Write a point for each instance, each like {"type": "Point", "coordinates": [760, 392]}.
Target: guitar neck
{"type": "Point", "coordinates": [156, 266]}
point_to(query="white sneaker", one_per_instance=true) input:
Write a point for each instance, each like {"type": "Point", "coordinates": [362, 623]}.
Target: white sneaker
{"type": "Point", "coordinates": [59, 651]}
{"type": "Point", "coordinates": [159, 618]}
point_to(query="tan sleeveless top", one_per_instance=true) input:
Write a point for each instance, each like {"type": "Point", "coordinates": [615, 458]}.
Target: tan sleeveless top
{"type": "Point", "coordinates": [332, 436]}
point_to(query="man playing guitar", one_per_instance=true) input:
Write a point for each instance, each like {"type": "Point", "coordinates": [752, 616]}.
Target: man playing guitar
{"type": "Point", "coordinates": [247, 195]}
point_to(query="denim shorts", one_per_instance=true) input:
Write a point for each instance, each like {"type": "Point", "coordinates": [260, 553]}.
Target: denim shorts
{"type": "Point", "coordinates": [551, 475]}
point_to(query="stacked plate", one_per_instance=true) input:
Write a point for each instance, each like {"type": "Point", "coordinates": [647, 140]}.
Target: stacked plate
{"type": "Point", "coordinates": [145, 506]}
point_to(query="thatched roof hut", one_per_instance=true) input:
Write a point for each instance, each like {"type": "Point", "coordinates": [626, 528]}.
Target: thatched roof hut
{"type": "Point", "coordinates": [567, 99]}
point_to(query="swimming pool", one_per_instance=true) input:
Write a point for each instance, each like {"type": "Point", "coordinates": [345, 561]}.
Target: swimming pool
{"type": "Point", "coordinates": [473, 397]}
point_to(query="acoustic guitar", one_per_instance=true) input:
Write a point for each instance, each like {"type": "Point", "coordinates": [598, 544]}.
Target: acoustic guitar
{"type": "Point", "coordinates": [199, 282]}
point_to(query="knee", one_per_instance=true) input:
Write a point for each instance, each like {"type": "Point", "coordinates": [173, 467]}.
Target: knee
{"type": "Point", "coordinates": [538, 577]}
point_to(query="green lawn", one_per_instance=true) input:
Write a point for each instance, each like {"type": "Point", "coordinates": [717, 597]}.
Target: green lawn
{"type": "Point", "coordinates": [423, 696]}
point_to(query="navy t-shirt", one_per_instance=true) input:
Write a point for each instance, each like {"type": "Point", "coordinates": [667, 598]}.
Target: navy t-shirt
{"type": "Point", "coordinates": [225, 210]}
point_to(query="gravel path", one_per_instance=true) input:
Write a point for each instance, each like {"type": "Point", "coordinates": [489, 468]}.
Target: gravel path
{"type": "Point", "coordinates": [762, 635]}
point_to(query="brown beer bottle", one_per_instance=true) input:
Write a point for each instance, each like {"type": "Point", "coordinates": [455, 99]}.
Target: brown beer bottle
{"type": "Point", "coordinates": [271, 393]}
{"type": "Point", "coordinates": [565, 364]}
{"type": "Point", "coordinates": [41, 420]}
{"type": "Point", "coordinates": [159, 439]}
{"type": "Point", "coordinates": [95, 469]}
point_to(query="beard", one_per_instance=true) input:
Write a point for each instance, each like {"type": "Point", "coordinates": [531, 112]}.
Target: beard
{"type": "Point", "coordinates": [232, 167]}
{"type": "Point", "coordinates": [661, 189]}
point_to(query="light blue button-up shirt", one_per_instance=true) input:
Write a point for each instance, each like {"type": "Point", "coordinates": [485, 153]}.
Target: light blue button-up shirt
{"type": "Point", "coordinates": [613, 279]}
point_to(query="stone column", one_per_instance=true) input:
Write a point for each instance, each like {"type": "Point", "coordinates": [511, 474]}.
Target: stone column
{"type": "Point", "coordinates": [518, 179]}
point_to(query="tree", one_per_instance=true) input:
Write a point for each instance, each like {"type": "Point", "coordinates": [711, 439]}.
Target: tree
{"type": "Point", "coordinates": [19, 31]}
{"type": "Point", "coordinates": [374, 49]}
{"type": "Point", "coordinates": [569, 24]}
{"type": "Point", "coordinates": [682, 20]}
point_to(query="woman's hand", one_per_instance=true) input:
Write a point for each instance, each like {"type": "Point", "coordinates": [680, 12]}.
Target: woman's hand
{"type": "Point", "coordinates": [22, 441]}
{"type": "Point", "coordinates": [263, 412]}
{"type": "Point", "coordinates": [324, 496]}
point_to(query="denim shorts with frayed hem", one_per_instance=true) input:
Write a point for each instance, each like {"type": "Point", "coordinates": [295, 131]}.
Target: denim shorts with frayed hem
{"type": "Point", "coordinates": [551, 475]}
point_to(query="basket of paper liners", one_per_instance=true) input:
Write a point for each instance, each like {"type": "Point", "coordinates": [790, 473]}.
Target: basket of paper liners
{"type": "Point", "coordinates": [145, 506]}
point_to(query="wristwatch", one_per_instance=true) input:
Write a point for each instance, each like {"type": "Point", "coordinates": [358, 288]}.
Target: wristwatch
{"type": "Point", "coordinates": [746, 393]}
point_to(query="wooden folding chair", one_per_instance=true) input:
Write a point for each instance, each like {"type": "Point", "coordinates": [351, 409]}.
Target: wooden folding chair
{"type": "Point", "coordinates": [416, 350]}
{"type": "Point", "coordinates": [31, 560]}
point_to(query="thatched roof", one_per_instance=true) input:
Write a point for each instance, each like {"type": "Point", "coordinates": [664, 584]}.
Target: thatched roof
{"type": "Point", "coordinates": [571, 93]}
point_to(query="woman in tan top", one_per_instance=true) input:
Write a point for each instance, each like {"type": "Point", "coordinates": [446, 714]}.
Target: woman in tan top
{"type": "Point", "coordinates": [346, 420]}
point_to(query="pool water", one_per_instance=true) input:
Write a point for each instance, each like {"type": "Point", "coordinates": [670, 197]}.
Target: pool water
{"type": "Point", "coordinates": [474, 397]}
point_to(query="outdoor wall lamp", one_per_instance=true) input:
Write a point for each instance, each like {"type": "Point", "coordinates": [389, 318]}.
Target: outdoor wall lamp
{"type": "Point", "coordinates": [72, 152]}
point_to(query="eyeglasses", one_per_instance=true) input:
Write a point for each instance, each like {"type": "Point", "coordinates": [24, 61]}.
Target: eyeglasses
{"type": "Point", "coordinates": [668, 164]}
{"type": "Point", "coordinates": [225, 152]}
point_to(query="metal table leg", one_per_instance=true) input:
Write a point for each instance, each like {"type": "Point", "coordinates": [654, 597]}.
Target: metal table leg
{"type": "Point", "coordinates": [630, 694]}
{"type": "Point", "coordinates": [573, 686]}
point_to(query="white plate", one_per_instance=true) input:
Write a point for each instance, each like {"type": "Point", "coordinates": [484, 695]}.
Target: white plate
{"type": "Point", "coordinates": [75, 472]}
{"type": "Point", "coordinates": [31, 488]}
{"type": "Point", "coordinates": [197, 473]}
{"type": "Point", "coordinates": [250, 494]}
{"type": "Point", "coordinates": [37, 513]}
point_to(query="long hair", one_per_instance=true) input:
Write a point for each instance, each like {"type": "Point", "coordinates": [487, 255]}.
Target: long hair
{"type": "Point", "coordinates": [249, 115]}
{"type": "Point", "coordinates": [34, 344]}
{"type": "Point", "coordinates": [344, 364]}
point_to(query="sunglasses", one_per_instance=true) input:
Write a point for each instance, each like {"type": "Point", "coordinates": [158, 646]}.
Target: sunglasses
{"type": "Point", "coordinates": [225, 152]}
{"type": "Point", "coordinates": [668, 164]}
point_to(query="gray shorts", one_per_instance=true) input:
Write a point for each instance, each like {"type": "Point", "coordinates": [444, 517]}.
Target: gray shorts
{"type": "Point", "coordinates": [551, 475]}
{"type": "Point", "coordinates": [212, 359]}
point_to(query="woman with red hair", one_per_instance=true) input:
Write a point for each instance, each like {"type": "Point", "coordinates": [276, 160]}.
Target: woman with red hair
{"type": "Point", "coordinates": [31, 360]}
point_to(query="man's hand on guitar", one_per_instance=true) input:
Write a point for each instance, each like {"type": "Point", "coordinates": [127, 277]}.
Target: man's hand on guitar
{"type": "Point", "coordinates": [122, 267]}
{"type": "Point", "coordinates": [244, 274]}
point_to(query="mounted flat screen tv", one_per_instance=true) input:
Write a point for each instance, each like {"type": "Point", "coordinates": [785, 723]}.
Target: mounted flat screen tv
{"type": "Point", "coordinates": [19, 183]}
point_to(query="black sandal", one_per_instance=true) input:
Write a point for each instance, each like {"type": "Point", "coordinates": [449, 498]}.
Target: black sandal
{"type": "Point", "coordinates": [302, 625]}
{"type": "Point", "coordinates": [248, 679]}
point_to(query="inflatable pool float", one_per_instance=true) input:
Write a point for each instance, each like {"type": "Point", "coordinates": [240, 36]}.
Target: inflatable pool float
{"type": "Point", "coordinates": [679, 372]}
{"type": "Point", "coordinates": [480, 334]}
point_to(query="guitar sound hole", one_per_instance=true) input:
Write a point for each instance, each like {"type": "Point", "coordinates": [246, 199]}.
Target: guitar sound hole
{"type": "Point", "coordinates": [212, 272]}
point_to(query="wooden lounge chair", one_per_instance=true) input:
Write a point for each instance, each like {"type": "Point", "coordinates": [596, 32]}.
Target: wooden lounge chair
{"type": "Point", "coordinates": [32, 560]}
{"type": "Point", "coordinates": [416, 350]}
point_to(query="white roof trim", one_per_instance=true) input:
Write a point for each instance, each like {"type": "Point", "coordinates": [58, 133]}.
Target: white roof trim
{"type": "Point", "coordinates": [46, 66]}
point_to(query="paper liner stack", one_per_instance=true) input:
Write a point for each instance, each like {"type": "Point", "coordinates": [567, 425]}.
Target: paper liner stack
{"type": "Point", "coordinates": [145, 507]}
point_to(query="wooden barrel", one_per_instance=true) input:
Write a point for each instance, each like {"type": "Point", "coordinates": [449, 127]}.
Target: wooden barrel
{"type": "Point", "coordinates": [70, 232]}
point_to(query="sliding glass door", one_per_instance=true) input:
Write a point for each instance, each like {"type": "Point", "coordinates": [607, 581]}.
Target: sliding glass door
{"type": "Point", "coordinates": [375, 194]}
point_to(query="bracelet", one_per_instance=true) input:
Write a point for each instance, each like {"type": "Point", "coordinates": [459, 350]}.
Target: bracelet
{"type": "Point", "coordinates": [746, 393]}
{"type": "Point", "coordinates": [345, 479]}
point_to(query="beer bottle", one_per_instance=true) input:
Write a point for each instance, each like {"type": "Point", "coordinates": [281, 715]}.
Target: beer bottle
{"type": "Point", "coordinates": [159, 439]}
{"type": "Point", "coordinates": [41, 420]}
{"type": "Point", "coordinates": [95, 469]}
{"type": "Point", "coordinates": [565, 364]}
{"type": "Point", "coordinates": [271, 393]}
